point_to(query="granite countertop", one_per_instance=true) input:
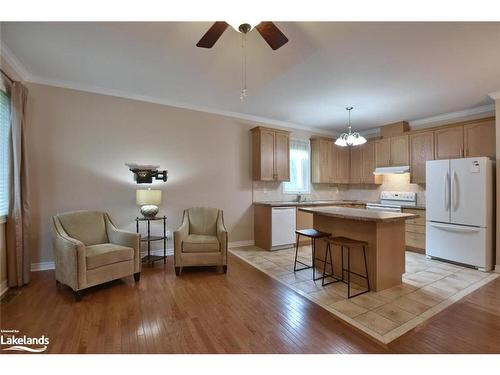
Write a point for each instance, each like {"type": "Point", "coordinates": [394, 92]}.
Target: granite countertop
{"type": "Point", "coordinates": [359, 214]}
{"type": "Point", "coordinates": [324, 203]}
{"type": "Point", "coordinates": [307, 203]}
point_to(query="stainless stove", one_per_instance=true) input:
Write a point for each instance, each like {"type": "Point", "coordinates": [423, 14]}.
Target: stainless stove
{"type": "Point", "coordinates": [393, 201]}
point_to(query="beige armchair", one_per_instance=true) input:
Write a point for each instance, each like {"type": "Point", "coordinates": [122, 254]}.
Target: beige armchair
{"type": "Point", "coordinates": [201, 240]}
{"type": "Point", "coordinates": [89, 250]}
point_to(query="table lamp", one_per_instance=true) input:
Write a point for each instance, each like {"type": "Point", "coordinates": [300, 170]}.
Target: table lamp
{"type": "Point", "coordinates": [149, 200]}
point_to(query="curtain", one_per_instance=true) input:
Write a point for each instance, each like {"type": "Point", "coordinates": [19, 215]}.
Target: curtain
{"type": "Point", "coordinates": [18, 219]}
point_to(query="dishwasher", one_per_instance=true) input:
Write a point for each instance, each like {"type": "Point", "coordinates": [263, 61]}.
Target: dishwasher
{"type": "Point", "coordinates": [283, 224]}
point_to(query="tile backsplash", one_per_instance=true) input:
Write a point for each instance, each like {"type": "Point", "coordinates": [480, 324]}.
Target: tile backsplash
{"type": "Point", "coordinates": [272, 191]}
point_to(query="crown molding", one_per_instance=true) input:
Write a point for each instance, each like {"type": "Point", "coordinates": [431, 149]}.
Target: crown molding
{"type": "Point", "coordinates": [495, 95]}
{"type": "Point", "coordinates": [445, 118]}
{"type": "Point", "coordinates": [14, 63]}
{"type": "Point", "coordinates": [465, 114]}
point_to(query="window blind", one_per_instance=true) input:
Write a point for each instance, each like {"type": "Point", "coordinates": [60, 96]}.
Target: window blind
{"type": "Point", "coordinates": [300, 155]}
{"type": "Point", "coordinates": [4, 152]}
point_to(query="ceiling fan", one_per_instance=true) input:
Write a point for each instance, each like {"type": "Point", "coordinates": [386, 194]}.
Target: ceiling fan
{"type": "Point", "coordinates": [268, 30]}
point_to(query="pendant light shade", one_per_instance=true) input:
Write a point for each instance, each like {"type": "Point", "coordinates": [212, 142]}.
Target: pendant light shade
{"type": "Point", "coordinates": [350, 138]}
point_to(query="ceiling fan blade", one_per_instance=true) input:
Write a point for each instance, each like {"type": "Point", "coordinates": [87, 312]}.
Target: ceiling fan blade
{"type": "Point", "coordinates": [212, 35]}
{"type": "Point", "coordinates": [272, 35]}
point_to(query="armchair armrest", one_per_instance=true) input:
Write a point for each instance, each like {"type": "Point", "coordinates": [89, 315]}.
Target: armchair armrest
{"type": "Point", "coordinates": [125, 238]}
{"type": "Point", "coordinates": [69, 254]}
{"type": "Point", "coordinates": [179, 235]}
{"type": "Point", "coordinates": [221, 232]}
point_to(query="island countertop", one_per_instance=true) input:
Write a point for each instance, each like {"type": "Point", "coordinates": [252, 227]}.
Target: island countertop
{"type": "Point", "coordinates": [313, 203]}
{"type": "Point", "coordinates": [359, 214]}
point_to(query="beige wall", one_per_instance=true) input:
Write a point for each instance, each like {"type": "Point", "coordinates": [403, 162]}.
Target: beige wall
{"type": "Point", "coordinates": [79, 142]}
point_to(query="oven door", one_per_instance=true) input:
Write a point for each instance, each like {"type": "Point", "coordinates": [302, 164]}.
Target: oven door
{"type": "Point", "coordinates": [381, 207]}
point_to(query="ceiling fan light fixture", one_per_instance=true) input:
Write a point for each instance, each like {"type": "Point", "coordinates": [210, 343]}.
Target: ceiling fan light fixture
{"type": "Point", "coordinates": [243, 26]}
{"type": "Point", "coordinates": [350, 138]}
{"type": "Point", "coordinates": [359, 140]}
{"type": "Point", "coordinates": [341, 142]}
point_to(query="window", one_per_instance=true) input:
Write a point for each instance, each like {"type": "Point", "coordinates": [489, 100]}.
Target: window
{"type": "Point", "coordinates": [300, 181]}
{"type": "Point", "coordinates": [4, 152]}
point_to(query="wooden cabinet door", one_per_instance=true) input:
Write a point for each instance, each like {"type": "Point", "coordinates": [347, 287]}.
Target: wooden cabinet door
{"type": "Point", "coordinates": [356, 164]}
{"type": "Point", "coordinates": [368, 164]}
{"type": "Point", "coordinates": [341, 162]}
{"type": "Point", "coordinates": [282, 156]}
{"type": "Point", "coordinates": [267, 155]}
{"type": "Point", "coordinates": [321, 159]}
{"type": "Point", "coordinates": [449, 142]}
{"type": "Point", "coordinates": [479, 138]}
{"type": "Point", "coordinates": [399, 150]}
{"type": "Point", "coordinates": [421, 150]}
{"type": "Point", "coordinates": [383, 152]}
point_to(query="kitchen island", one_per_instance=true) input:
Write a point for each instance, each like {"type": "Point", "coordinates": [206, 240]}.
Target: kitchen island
{"type": "Point", "coordinates": [384, 232]}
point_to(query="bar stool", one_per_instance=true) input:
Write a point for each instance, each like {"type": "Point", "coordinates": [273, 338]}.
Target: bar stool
{"type": "Point", "coordinates": [347, 243]}
{"type": "Point", "coordinates": [313, 234]}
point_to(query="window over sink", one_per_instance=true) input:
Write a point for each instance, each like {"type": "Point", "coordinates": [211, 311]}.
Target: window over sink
{"type": "Point", "coordinates": [300, 168]}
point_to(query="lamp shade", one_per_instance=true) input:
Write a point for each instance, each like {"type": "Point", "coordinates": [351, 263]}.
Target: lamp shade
{"type": "Point", "coordinates": [148, 197]}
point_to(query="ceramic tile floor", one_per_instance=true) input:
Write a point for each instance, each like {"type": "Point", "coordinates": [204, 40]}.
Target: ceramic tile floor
{"type": "Point", "coordinates": [428, 287]}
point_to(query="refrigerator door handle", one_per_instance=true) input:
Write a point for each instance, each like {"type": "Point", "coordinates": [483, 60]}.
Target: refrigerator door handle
{"type": "Point", "coordinates": [455, 228]}
{"type": "Point", "coordinates": [454, 191]}
{"type": "Point", "coordinates": [446, 191]}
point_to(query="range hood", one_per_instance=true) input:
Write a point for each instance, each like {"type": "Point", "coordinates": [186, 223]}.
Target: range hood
{"type": "Point", "coordinates": [392, 170]}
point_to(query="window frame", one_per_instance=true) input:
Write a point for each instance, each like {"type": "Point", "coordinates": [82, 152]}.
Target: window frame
{"type": "Point", "coordinates": [3, 215]}
{"type": "Point", "coordinates": [308, 179]}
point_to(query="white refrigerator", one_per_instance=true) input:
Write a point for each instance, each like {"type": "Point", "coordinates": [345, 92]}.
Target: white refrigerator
{"type": "Point", "coordinates": [459, 211]}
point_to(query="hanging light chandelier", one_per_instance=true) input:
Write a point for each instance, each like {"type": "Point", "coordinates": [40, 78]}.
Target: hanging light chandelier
{"type": "Point", "coordinates": [350, 138]}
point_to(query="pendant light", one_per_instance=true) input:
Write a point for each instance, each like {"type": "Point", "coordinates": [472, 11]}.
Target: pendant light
{"type": "Point", "coordinates": [350, 138]}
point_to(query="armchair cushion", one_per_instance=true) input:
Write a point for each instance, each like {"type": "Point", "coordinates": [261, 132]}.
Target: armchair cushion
{"type": "Point", "coordinates": [197, 243]}
{"type": "Point", "coordinates": [107, 253]}
{"type": "Point", "coordinates": [88, 227]}
{"type": "Point", "coordinates": [203, 220]}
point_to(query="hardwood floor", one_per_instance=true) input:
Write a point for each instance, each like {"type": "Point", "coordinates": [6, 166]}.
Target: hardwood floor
{"type": "Point", "coordinates": [244, 311]}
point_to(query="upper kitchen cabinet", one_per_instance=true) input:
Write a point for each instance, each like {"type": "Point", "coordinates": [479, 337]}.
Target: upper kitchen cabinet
{"type": "Point", "coordinates": [421, 150]}
{"type": "Point", "coordinates": [479, 138]}
{"type": "Point", "coordinates": [368, 164]}
{"type": "Point", "coordinates": [392, 151]}
{"type": "Point", "coordinates": [321, 160]}
{"type": "Point", "coordinates": [271, 154]}
{"type": "Point", "coordinates": [449, 142]}
{"type": "Point", "coordinates": [356, 164]}
{"type": "Point", "coordinates": [282, 156]}
{"type": "Point", "coordinates": [383, 152]}
{"type": "Point", "coordinates": [399, 150]}
{"type": "Point", "coordinates": [341, 165]}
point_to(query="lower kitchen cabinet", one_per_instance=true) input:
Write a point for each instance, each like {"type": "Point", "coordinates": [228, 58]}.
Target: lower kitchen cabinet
{"type": "Point", "coordinates": [304, 221]}
{"type": "Point", "coordinates": [415, 231]}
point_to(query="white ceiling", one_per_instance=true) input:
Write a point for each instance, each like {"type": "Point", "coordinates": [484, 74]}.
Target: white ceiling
{"type": "Point", "coordinates": [387, 71]}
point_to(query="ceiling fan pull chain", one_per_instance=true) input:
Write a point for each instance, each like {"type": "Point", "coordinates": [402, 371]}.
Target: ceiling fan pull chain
{"type": "Point", "coordinates": [243, 93]}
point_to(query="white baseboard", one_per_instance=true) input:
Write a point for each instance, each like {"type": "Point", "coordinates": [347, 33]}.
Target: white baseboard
{"type": "Point", "coordinates": [241, 243]}
{"type": "Point", "coordinates": [43, 266]}
{"type": "Point", "coordinates": [3, 287]}
{"type": "Point", "coordinates": [497, 268]}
